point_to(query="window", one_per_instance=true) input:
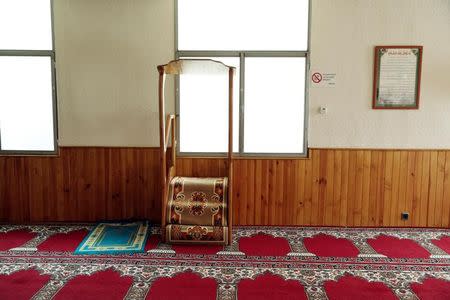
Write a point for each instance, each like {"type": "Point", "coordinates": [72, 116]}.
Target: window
{"type": "Point", "coordinates": [27, 81]}
{"type": "Point", "coordinates": [267, 42]}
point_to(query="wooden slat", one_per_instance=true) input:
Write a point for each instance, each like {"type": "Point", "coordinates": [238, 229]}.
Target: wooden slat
{"type": "Point", "coordinates": [344, 188]}
{"type": "Point", "coordinates": [258, 194]}
{"type": "Point", "coordinates": [387, 187]}
{"type": "Point", "coordinates": [446, 198]}
{"type": "Point", "coordinates": [438, 216]}
{"type": "Point", "coordinates": [432, 187]}
{"type": "Point", "coordinates": [316, 182]}
{"type": "Point", "coordinates": [351, 198]}
{"type": "Point", "coordinates": [333, 187]}
{"type": "Point", "coordinates": [366, 188]}
{"type": "Point", "coordinates": [409, 197]}
{"type": "Point", "coordinates": [329, 188]}
{"type": "Point", "coordinates": [308, 192]}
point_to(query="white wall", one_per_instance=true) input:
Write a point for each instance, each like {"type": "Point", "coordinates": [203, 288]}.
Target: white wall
{"type": "Point", "coordinates": [343, 36]}
{"type": "Point", "coordinates": [108, 50]}
{"type": "Point", "coordinates": [106, 54]}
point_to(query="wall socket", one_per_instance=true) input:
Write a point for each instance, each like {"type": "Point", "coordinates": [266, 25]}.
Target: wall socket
{"type": "Point", "coordinates": [405, 215]}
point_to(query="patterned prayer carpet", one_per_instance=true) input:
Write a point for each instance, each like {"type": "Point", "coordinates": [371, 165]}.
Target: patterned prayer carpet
{"type": "Point", "coordinates": [262, 263]}
{"type": "Point", "coordinates": [115, 238]}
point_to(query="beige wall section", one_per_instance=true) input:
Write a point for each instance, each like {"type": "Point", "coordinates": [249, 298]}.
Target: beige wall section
{"type": "Point", "coordinates": [343, 36]}
{"type": "Point", "coordinates": [106, 54]}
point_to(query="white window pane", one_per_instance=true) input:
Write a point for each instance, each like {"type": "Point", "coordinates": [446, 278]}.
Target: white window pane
{"type": "Point", "coordinates": [26, 105]}
{"type": "Point", "coordinates": [274, 105]}
{"type": "Point", "coordinates": [25, 25]}
{"type": "Point", "coordinates": [242, 24]}
{"type": "Point", "coordinates": [204, 110]}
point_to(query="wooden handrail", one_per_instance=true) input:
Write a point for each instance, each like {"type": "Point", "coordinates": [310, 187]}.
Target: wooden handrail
{"type": "Point", "coordinates": [170, 125]}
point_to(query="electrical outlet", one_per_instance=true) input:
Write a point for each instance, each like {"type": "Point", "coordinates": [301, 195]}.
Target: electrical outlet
{"type": "Point", "coordinates": [323, 110]}
{"type": "Point", "coordinates": [405, 216]}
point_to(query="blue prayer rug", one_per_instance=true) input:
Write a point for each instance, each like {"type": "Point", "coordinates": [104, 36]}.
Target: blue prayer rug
{"type": "Point", "coordinates": [115, 238]}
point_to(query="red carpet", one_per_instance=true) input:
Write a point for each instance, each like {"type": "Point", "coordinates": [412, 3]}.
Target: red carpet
{"type": "Point", "coordinates": [63, 241]}
{"type": "Point", "coordinates": [185, 286]}
{"type": "Point", "coordinates": [262, 263]}
{"type": "Point", "coordinates": [397, 248]}
{"type": "Point", "coordinates": [264, 245]}
{"type": "Point", "coordinates": [329, 246]}
{"type": "Point", "coordinates": [349, 287]}
{"type": "Point", "coordinates": [15, 238]}
{"type": "Point", "coordinates": [21, 285]}
{"type": "Point", "coordinates": [443, 243]}
{"type": "Point", "coordinates": [432, 289]}
{"type": "Point", "coordinates": [102, 285]}
{"type": "Point", "coordinates": [269, 287]}
{"type": "Point", "coordinates": [197, 249]}
{"type": "Point", "coordinates": [152, 242]}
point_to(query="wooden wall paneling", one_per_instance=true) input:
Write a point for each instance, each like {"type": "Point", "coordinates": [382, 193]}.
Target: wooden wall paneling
{"type": "Point", "coordinates": [409, 195]}
{"type": "Point", "coordinates": [322, 187]}
{"type": "Point", "coordinates": [446, 198]}
{"type": "Point", "coordinates": [425, 188]}
{"type": "Point", "coordinates": [265, 192]}
{"type": "Point", "coordinates": [415, 205]}
{"type": "Point", "coordinates": [337, 184]}
{"type": "Point", "coordinates": [271, 206]}
{"type": "Point", "coordinates": [374, 197]}
{"type": "Point", "coordinates": [300, 183]}
{"type": "Point", "coordinates": [387, 187]}
{"type": "Point", "coordinates": [292, 193]}
{"type": "Point", "coordinates": [243, 199]}
{"type": "Point", "coordinates": [395, 189]}
{"type": "Point", "coordinates": [329, 187]}
{"type": "Point", "coordinates": [328, 176]}
{"type": "Point", "coordinates": [379, 206]}
{"type": "Point", "coordinates": [357, 208]}
{"type": "Point", "coordinates": [402, 189]}
{"type": "Point", "coordinates": [280, 192]}
{"type": "Point", "coordinates": [351, 194]}
{"type": "Point", "coordinates": [250, 193]}
{"type": "Point", "coordinates": [345, 165]}
{"type": "Point", "coordinates": [3, 174]}
{"type": "Point", "coordinates": [257, 196]}
{"type": "Point", "coordinates": [308, 183]}
{"type": "Point", "coordinates": [438, 216]}
{"type": "Point", "coordinates": [433, 187]}
{"type": "Point", "coordinates": [236, 193]}
{"type": "Point", "coordinates": [338, 187]}
{"type": "Point", "coordinates": [366, 187]}
{"type": "Point", "coordinates": [316, 182]}
{"type": "Point", "coordinates": [33, 179]}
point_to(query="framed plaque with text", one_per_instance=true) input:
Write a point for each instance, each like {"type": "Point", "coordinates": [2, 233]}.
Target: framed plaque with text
{"type": "Point", "coordinates": [396, 83]}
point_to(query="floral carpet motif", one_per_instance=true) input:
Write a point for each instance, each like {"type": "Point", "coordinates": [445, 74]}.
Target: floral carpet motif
{"type": "Point", "coordinates": [261, 263]}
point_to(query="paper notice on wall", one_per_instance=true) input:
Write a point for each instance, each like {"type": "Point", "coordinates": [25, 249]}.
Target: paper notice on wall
{"type": "Point", "coordinates": [323, 79]}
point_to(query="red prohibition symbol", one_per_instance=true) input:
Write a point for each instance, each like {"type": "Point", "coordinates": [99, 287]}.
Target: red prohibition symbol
{"type": "Point", "coordinates": [316, 77]}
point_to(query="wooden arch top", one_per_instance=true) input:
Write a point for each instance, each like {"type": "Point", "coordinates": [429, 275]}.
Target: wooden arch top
{"type": "Point", "coordinates": [194, 66]}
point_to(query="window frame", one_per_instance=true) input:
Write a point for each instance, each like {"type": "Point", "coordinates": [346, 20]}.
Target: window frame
{"type": "Point", "coordinates": [242, 54]}
{"type": "Point", "coordinates": [51, 55]}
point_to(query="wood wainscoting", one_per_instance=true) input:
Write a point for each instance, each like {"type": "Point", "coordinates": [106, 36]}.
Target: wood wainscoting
{"type": "Point", "coordinates": [333, 187]}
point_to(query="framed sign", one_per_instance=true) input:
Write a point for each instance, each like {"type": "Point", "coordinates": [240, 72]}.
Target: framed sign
{"type": "Point", "coordinates": [396, 83]}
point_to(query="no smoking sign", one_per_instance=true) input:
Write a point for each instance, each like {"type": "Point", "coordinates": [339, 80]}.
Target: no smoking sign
{"type": "Point", "coordinates": [316, 77]}
{"type": "Point", "coordinates": [323, 79]}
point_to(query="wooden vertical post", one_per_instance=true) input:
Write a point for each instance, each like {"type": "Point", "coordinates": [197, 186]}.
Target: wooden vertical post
{"type": "Point", "coordinates": [230, 154]}
{"type": "Point", "coordinates": [174, 144]}
{"type": "Point", "coordinates": [162, 150]}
